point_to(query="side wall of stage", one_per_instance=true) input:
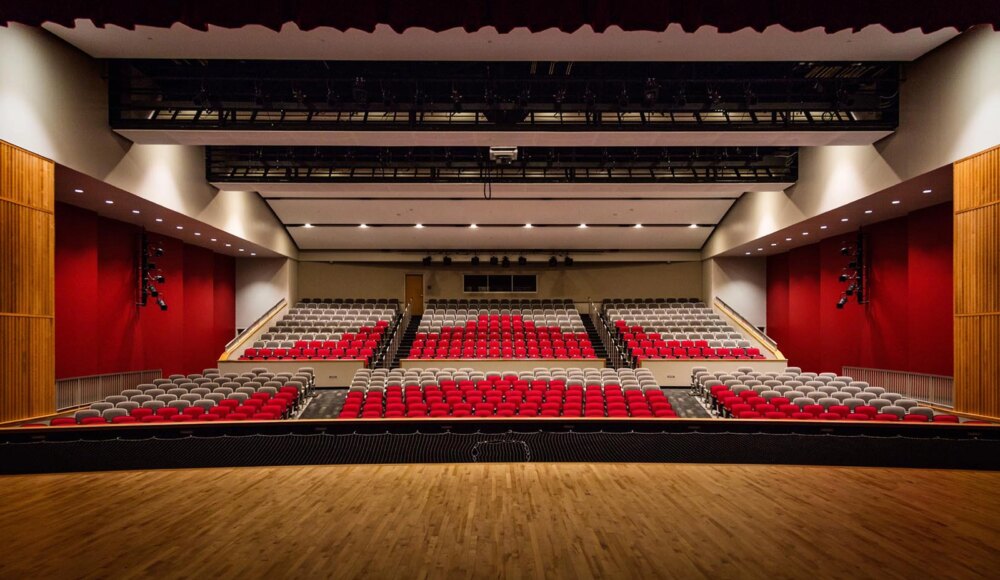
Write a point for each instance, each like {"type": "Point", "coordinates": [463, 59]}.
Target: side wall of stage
{"type": "Point", "coordinates": [99, 328]}
{"type": "Point", "coordinates": [908, 324]}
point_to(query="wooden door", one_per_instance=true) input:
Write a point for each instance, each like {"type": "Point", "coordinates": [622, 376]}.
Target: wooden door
{"type": "Point", "coordinates": [414, 295]}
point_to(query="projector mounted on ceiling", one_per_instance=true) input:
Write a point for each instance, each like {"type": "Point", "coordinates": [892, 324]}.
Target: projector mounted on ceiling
{"type": "Point", "coordinates": [503, 155]}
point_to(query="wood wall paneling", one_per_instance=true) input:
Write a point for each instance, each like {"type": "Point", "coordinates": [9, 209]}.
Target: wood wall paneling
{"type": "Point", "coordinates": [977, 284]}
{"type": "Point", "coordinates": [27, 303]}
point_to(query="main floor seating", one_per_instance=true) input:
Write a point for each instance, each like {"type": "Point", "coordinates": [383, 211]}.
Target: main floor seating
{"type": "Point", "coordinates": [327, 329]}
{"type": "Point", "coordinates": [543, 392]}
{"type": "Point", "coordinates": [793, 394]}
{"type": "Point", "coordinates": [508, 329]}
{"type": "Point", "coordinates": [675, 328]}
{"type": "Point", "coordinates": [208, 396]}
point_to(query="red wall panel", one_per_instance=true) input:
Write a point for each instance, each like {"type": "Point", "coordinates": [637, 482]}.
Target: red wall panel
{"type": "Point", "coordinates": [907, 324]}
{"type": "Point", "coordinates": [99, 327]}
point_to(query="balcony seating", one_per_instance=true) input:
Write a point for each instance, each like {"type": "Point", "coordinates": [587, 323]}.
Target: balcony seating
{"type": "Point", "coordinates": [502, 329]}
{"type": "Point", "coordinates": [793, 394]}
{"type": "Point", "coordinates": [572, 392]}
{"type": "Point", "coordinates": [675, 329]}
{"type": "Point", "coordinates": [344, 330]}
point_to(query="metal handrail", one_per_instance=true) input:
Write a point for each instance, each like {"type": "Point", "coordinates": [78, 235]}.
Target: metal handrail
{"type": "Point", "coordinates": [611, 344]}
{"type": "Point", "coordinates": [757, 334]}
{"type": "Point", "coordinates": [77, 391]}
{"type": "Point", "coordinates": [250, 328]}
{"type": "Point", "coordinates": [927, 388]}
{"type": "Point", "coordinates": [399, 329]}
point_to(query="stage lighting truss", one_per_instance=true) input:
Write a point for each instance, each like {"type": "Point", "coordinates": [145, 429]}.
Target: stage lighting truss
{"type": "Point", "coordinates": [149, 275]}
{"type": "Point", "coordinates": [854, 275]}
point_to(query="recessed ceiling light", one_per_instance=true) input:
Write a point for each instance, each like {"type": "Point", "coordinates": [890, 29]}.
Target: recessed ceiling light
{"type": "Point", "coordinates": [638, 226]}
{"type": "Point", "coordinates": [241, 249]}
{"type": "Point", "coordinates": [159, 220]}
{"type": "Point", "coordinates": [748, 253]}
{"type": "Point", "coordinates": [473, 227]}
{"type": "Point", "coordinates": [197, 233]}
{"type": "Point", "coordinates": [180, 227]}
{"type": "Point", "coordinates": [78, 190]}
{"type": "Point", "coordinates": [307, 225]}
{"type": "Point", "coordinates": [419, 226]}
{"type": "Point", "coordinates": [895, 202]}
{"type": "Point", "coordinates": [760, 249]}
{"type": "Point", "coordinates": [693, 226]}
{"type": "Point", "coordinates": [805, 233]}
{"type": "Point", "coordinates": [582, 226]}
{"type": "Point", "coordinates": [253, 253]}
{"type": "Point", "coordinates": [363, 226]}
{"type": "Point", "coordinates": [928, 190]}
{"type": "Point", "coordinates": [135, 211]}
{"type": "Point", "coordinates": [214, 240]}
{"type": "Point", "coordinates": [229, 245]}
{"type": "Point", "coordinates": [822, 227]}
{"type": "Point", "coordinates": [528, 226]}
{"type": "Point", "coordinates": [774, 244]}
{"type": "Point", "coordinates": [788, 239]}
{"type": "Point", "coordinates": [868, 211]}
{"type": "Point", "coordinates": [843, 219]}
{"type": "Point", "coordinates": [109, 202]}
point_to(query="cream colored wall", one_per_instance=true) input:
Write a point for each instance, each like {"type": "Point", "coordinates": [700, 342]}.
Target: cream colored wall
{"type": "Point", "coordinates": [949, 109]}
{"type": "Point", "coordinates": [262, 282]}
{"type": "Point", "coordinates": [54, 102]}
{"type": "Point", "coordinates": [582, 283]}
{"type": "Point", "coordinates": [739, 282]}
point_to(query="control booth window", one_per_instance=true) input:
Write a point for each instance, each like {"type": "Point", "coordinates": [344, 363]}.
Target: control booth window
{"type": "Point", "coordinates": [500, 283]}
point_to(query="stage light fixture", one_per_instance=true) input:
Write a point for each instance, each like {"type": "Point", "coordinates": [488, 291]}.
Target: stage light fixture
{"type": "Point", "coordinates": [160, 279]}
{"type": "Point", "coordinates": [505, 262]}
{"type": "Point", "coordinates": [553, 261]}
{"type": "Point", "coordinates": [852, 265]}
{"type": "Point", "coordinates": [568, 261]}
{"type": "Point", "coordinates": [475, 260]}
{"type": "Point", "coordinates": [845, 250]}
{"type": "Point", "coordinates": [150, 266]}
{"type": "Point", "coordinates": [494, 260]}
{"type": "Point", "coordinates": [651, 93]}
{"type": "Point", "coordinates": [427, 260]}
{"type": "Point", "coordinates": [446, 260]}
{"type": "Point", "coordinates": [152, 290]}
{"type": "Point", "coordinates": [522, 261]}
{"type": "Point", "coordinates": [162, 304]}
{"type": "Point", "coordinates": [843, 278]}
{"type": "Point", "coordinates": [842, 302]}
{"type": "Point", "coordinates": [850, 290]}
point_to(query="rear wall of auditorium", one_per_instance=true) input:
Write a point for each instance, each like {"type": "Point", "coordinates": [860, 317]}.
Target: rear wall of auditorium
{"type": "Point", "coordinates": [906, 326]}
{"type": "Point", "coordinates": [99, 328]}
{"type": "Point", "coordinates": [583, 281]}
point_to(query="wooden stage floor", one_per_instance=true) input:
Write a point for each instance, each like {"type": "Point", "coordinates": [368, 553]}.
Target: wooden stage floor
{"type": "Point", "coordinates": [503, 521]}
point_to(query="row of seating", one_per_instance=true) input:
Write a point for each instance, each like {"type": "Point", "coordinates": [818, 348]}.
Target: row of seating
{"type": "Point", "coordinates": [500, 399]}
{"type": "Point", "coordinates": [545, 392]}
{"type": "Point", "coordinates": [792, 394]}
{"type": "Point", "coordinates": [208, 396]}
{"type": "Point", "coordinates": [345, 329]}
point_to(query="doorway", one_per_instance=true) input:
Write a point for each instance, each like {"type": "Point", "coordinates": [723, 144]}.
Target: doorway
{"type": "Point", "coordinates": [414, 293]}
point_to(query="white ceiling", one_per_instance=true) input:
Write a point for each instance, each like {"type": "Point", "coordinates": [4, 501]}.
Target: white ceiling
{"type": "Point", "coordinates": [499, 238]}
{"type": "Point", "coordinates": [705, 138]}
{"type": "Point", "coordinates": [705, 44]}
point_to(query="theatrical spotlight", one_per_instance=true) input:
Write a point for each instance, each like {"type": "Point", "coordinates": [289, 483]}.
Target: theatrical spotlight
{"type": "Point", "coordinates": [162, 304]}
{"type": "Point", "coordinates": [505, 262]}
{"type": "Point", "coordinates": [843, 278]}
{"type": "Point", "coordinates": [475, 260]}
{"type": "Point", "coordinates": [160, 279]}
{"type": "Point", "coordinates": [568, 261]}
{"type": "Point", "coordinates": [427, 260]}
{"type": "Point", "coordinates": [845, 250]}
{"type": "Point", "coordinates": [553, 261]}
{"type": "Point", "coordinates": [850, 290]}
{"type": "Point", "coordinates": [842, 302]}
{"type": "Point", "coordinates": [494, 260]}
{"type": "Point", "coordinates": [446, 260]}
{"type": "Point", "coordinates": [152, 291]}
{"type": "Point", "coordinates": [522, 261]}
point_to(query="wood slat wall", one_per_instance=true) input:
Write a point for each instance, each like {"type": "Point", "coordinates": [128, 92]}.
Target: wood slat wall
{"type": "Point", "coordinates": [977, 284]}
{"type": "Point", "coordinates": [27, 282]}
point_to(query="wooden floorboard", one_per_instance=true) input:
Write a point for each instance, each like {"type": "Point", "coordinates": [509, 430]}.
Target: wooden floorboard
{"type": "Point", "coordinates": [503, 521]}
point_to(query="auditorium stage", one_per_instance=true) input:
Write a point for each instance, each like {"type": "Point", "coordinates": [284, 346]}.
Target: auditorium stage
{"type": "Point", "coordinates": [566, 520]}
